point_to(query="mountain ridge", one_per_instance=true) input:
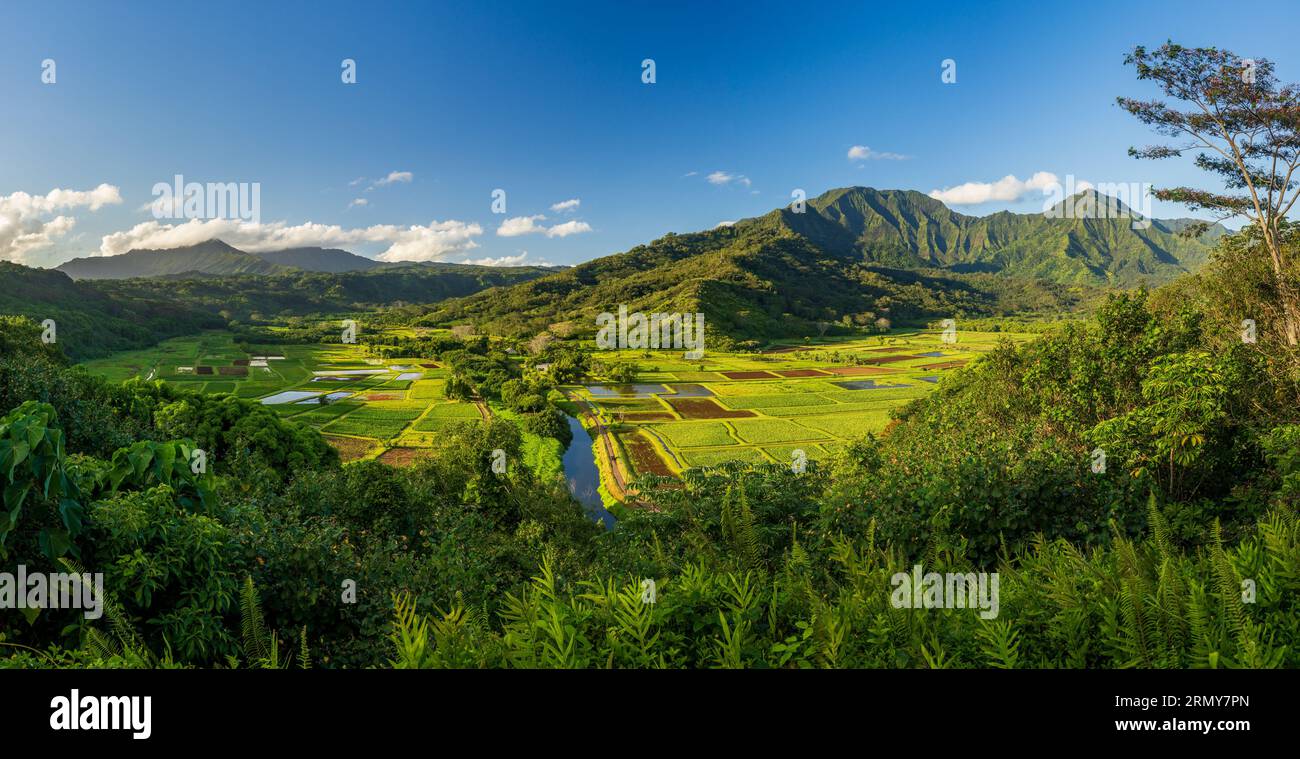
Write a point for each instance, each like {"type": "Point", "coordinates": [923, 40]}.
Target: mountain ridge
{"type": "Point", "coordinates": [854, 253]}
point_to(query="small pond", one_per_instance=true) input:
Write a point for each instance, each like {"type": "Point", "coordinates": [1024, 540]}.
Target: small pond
{"type": "Point", "coordinates": [625, 391]}
{"type": "Point", "coordinates": [865, 385]}
{"type": "Point", "coordinates": [288, 396]}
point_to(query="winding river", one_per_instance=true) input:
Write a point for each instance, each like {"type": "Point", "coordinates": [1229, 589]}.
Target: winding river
{"type": "Point", "coordinates": [583, 477]}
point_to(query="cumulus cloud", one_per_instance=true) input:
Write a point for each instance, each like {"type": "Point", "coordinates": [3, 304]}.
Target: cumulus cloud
{"type": "Point", "coordinates": [1007, 189]}
{"type": "Point", "coordinates": [724, 224]}
{"type": "Point", "coordinates": [521, 225]}
{"type": "Point", "coordinates": [358, 202]}
{"type": "Point", "coordinates": [25, 225]}
{"type": "Point", "coordinates": [566, 205]}
{"type": "Point", "coordinates": [724, 178]}
{"type": "Point", "coordinates": [568, 228]}
{"type": "Point", "coordinates": [436, 241]}
{"type": "Point", "coordinates": [864, 153]}
{"type": "Point", "coordinates": [528, 225]}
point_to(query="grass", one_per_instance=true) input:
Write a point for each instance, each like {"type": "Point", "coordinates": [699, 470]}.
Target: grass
{"type": "Point", "coordinates": [809, 413]}
{"type": "Point", "coordinates": [777, 401]}
{"type": "Point", "coordinates": [761, 431]}
{"type": "Point", "coordinates": [694, 434]}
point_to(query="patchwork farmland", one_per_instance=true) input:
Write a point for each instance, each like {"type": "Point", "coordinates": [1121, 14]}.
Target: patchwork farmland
{"type": "Point", "coordinates": [750, 407]}
{"type": "Point", "coordinates": [365, 407]}
{"type": "Point", "coordinates": [766, 407]}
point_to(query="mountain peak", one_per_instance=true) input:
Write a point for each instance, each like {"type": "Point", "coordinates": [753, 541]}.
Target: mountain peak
{"type": "Point", "coordinates": [1091, 204]}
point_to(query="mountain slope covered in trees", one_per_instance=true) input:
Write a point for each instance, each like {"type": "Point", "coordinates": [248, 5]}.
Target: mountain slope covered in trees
{"type": "Point", "coordinates": [857, 254]}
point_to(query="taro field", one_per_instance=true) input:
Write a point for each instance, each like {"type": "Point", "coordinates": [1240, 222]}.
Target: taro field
{"type": "Point", "coordinates": [762, 407]}
{"type": "Point", "coordinates": [365, 407]}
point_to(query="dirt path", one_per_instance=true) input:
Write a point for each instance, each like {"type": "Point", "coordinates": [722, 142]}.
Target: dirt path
{"type": "Point", "coordinates": [483, 409]}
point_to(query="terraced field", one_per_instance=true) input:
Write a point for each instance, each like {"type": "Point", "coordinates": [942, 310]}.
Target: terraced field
{"type": "Point", "coordinates": [766, 407]}
{"type": "Point", "coordinates": [366, 408]}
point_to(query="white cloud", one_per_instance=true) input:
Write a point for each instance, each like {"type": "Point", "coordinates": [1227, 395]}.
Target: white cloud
{"type": "Point", "coordinates": [568, 228]}
{"type": "Point", "coordinates": [521, 225]}
{"type": "Point", "coordinates": [358, 202]}
{"type": "Point", "coordinates": [24, 227]}
{"type": "Point", "coordinates": [394, 177]}
{"type": "Point", "coordinates": [864, 153]}
{"type": "Point", "coordinates": [519, 260]}
{"type": "Point", "coordinates": [566, 205]}
{"type": "Point", "coordinates": [436, 241]}
{"type": "Point", "coordinates": [1006, 189]}
{"type": "Point", "coordinates": [724, 178]}
{"type": "Point", "coordinates": [528, 225]}
{"type": "Point", "coordinates": [724, 224]}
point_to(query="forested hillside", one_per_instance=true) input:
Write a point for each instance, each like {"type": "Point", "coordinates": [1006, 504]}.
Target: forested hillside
{"type": "Point", "coordinates": [91, 323]}
{"type": "Point", "coordinates": [857, 254]}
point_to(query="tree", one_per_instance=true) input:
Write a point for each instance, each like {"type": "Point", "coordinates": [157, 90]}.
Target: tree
{"type": "Point", "coordinates": [1243, 126]}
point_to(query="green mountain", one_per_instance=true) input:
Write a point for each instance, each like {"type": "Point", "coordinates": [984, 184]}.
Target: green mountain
{"type": "Point", "coordinates": [858, 254]}
{"type": "Point", "coordinates": [908, 229]}
{"type": "Point", "coordinates": [90, 323]}
{"type": "Point", "coordinates": [216, 258]}
{"type": "Point", "coordinates": [211, 257]}
{"type": "Point", "coordinates": [292, 292]}
{"type": "Point", "coordinates": [330, 260]}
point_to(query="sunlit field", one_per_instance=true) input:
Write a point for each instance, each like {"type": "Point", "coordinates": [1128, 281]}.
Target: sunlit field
{"type": "Point", "coordinates": [364, 406]}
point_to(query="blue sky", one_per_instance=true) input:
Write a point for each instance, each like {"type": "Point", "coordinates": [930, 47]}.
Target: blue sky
{"type": "Point", "coordinates": [546, 102]}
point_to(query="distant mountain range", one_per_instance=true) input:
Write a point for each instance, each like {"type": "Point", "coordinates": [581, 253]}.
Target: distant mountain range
{"type": "Point", "coordinates": [217, 258]}
{"type": "Point", "coordinates": [143, 296]}
{"type": "Point", "coordinates": [855, 253]}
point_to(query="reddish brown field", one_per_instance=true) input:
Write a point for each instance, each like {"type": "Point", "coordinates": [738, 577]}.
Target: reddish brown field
{"type": "Point", "coordinates": [241, 362]}
{"type": "Point", "coordinates": [349, 449]}
{"type": "Point", "coordinates": [429, 366]}
{"type": "Point", "coordinates": [888, 359]}
{"type": "Point", "coordinates": [234, 371]}
{"type": "Point", "coordinates": [858, 371]}
{"type": "Point", "coordinates": [800, 372]}
{"type": "Point", "coordinates": [384, 397]}
{"type": "Point", "coordinates": [705, 408]}
{"type": "Point", "coordinates": [748, 375]}
{"type": "Point", "coordinates": [943, 365]}
{"type": "Point", "coordinates": [203, 370]}
{"type": "Point", "coordinates": [403, 456]}
{"type": "Point", "coordinates": [647, 416]}
{"type": "Point", "coordinates": [644, 457]}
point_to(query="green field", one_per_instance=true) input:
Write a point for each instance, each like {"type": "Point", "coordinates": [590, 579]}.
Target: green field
{"type": "Point", "coordinates": [377, 410]}
{"type": "Point", "coordinates": [770, 417]}
{"type": "Point", "coordinates": [725, 412]}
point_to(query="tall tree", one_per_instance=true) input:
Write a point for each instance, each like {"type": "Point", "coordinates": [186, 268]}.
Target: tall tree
{"type": "Point", "coordinates": [1242, 125]}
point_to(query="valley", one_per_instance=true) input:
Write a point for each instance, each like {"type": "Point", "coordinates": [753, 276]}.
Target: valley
{"type": "Point", "coordinates": [791, 404]}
